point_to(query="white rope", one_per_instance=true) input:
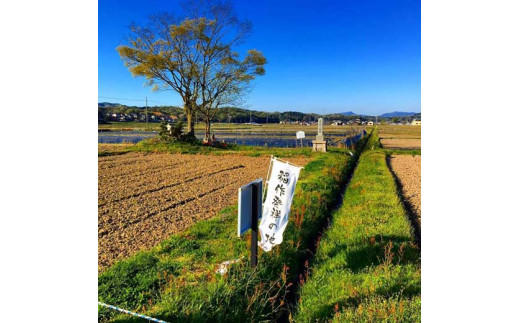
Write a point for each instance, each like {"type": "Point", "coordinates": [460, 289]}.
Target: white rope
{"type": "Point", "coordinates": [131, 313]}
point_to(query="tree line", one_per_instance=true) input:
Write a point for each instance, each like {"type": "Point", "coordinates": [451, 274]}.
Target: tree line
{"type": "Point", "coordinates": [236, 115]}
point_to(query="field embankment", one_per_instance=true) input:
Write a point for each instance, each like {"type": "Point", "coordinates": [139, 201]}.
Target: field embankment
{"type": "Point", "coordinates": [154, 145]}
{"type": "Point", "coordinates": [401, 143]}
{"type": "Point", "coordinates": [402, 139]}
{"type": "Point", "coordinates": [399, 132]}
{"type": "Point", "coordinates": [367, 267]}
{"type": "Point", "coordinates": [177, 280]}
{"type": "Point", "coordinates": [112, 149]}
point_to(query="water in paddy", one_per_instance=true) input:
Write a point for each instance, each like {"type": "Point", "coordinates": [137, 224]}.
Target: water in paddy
{"type": "Point", "coordinates": [118, 137]}
{"type": "Point", "coordinates": [248, 139]}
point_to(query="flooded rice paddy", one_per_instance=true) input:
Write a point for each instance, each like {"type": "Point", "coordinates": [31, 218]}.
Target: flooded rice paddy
{"type": "Point", "coordinates": [286, 139]}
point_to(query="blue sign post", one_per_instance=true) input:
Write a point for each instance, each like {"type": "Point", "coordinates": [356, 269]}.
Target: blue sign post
{"type": "Point", "coordinates": [249, 209]}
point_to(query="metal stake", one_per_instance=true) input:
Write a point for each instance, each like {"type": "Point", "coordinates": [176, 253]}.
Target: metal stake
{"type": "Point", "coordinates": [254, 226]}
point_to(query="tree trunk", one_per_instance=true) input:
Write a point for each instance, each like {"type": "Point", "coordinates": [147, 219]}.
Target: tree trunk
{"type": "Point", "coordinates": [191, 123]}
{"type": "Point", "coordinates": [207, 135]}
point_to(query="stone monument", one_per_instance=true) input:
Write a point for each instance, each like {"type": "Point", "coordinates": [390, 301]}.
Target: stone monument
{"type": "Point", "coordinates": [320, 144]}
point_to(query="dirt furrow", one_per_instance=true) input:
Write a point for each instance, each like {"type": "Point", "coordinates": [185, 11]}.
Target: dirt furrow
{"type": "Point", "coordinates": [149, 199]}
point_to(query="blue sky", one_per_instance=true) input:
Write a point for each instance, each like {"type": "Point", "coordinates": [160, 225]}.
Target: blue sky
{"type": "Point", "coordinates": [332, 56]}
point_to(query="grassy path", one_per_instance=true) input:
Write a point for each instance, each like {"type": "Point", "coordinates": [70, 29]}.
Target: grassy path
{"type": "Point", "coordinates": [367, 267]}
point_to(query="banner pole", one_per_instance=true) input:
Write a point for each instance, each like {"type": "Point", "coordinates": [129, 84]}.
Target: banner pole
{"type": "Point", "coordinates": [254, 226]}
{"type": "Point", "coordinates": [287, 162]}
{"type": "Point", "coordinates": [264, 187]}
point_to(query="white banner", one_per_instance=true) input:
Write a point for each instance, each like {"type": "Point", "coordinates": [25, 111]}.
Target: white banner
{"type": "Point", "coordinates": [277, 204]}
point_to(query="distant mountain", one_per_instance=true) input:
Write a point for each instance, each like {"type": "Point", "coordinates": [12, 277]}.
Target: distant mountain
{"type": "Point", "coordinates": [109, 105]}
{"type": "Point", "coordinates": [350, 113]}
{"type": "Point", "coordinates": [397, 114]}
{"type": "Point", "coordinates": [240, 115]}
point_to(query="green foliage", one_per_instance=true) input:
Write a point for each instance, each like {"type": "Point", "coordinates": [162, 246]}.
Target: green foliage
{"type": "Point", "coordinates": [165, 134]}
{"type": "Point", "coordinates": [191, 290]}
{"type": "Point", "coordinates": [367, 267]}
{"type": "Point", "coordinates": [174, 133]}
{"type": "Point", "coordinates": [176, 130]}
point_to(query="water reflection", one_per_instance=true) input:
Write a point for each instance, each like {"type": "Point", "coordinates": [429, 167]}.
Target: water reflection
{"type": "Point", "coordinates": [287, 140]}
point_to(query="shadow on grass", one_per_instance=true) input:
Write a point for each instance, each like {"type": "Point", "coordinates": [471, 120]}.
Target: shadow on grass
{"type": "Point", "coordinates": [375, 251]}
{"type": "Point", "coordinates": [327, 311]}
{"type": "Point", "coordinates": [412, 216]}
{"type": "Point", "coordinates": [111, 153]}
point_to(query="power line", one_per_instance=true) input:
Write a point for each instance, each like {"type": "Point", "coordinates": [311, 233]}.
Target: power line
{"type": "Point", "coordinates": [111, 98]}
{"type": "Point", "coordinates": [123, 99]}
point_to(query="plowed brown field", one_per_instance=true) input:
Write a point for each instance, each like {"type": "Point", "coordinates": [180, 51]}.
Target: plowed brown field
{"type": "Point", "coordinates": [399, 132]}
{"type": "Point", "coordinates": [401, 143]}
{"type": "Point", "coordinates": [408, 170]}
{"type": "Point", "coordinates": [143, 199]}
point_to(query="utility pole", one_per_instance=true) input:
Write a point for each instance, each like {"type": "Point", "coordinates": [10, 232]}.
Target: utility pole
{"type": "Point", "coordinates": [146, 112]}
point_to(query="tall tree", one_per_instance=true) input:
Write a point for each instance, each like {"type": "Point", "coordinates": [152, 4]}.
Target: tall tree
{"type": "Point", "coordinates": [166, 53]}
{"type": "Point", "coordinates": [195, 57]}
{"type": "Point", "coordinates": [223, 78]}
{"type": "Point", "coordinates": [226, 82]}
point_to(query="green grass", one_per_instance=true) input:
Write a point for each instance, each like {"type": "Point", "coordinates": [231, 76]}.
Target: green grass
{"type": "Point", "coordinates": [413, 152]}
{"type": "Point", "coordinates": [156, 146]}
{"type": "Point", "coordinates": [178, 271]}
{"type": "Point", "coordinates": [176, 280]}
{"type": "Point", "coordinates": [367, 268]}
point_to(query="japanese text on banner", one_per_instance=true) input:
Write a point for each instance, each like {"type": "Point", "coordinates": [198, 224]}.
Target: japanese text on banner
{"type": "Point", "coordinates": [278, 202]}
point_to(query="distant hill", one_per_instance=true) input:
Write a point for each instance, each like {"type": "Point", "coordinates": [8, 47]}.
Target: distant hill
{"type": "Point", "coordinates": [109, 105]}
{"type": "Point", "coordinates": [349, 113]}
{"type": "Point", "coordinates": [238, 115]}
{"type": "Point", "coordinates": [397, 114]}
